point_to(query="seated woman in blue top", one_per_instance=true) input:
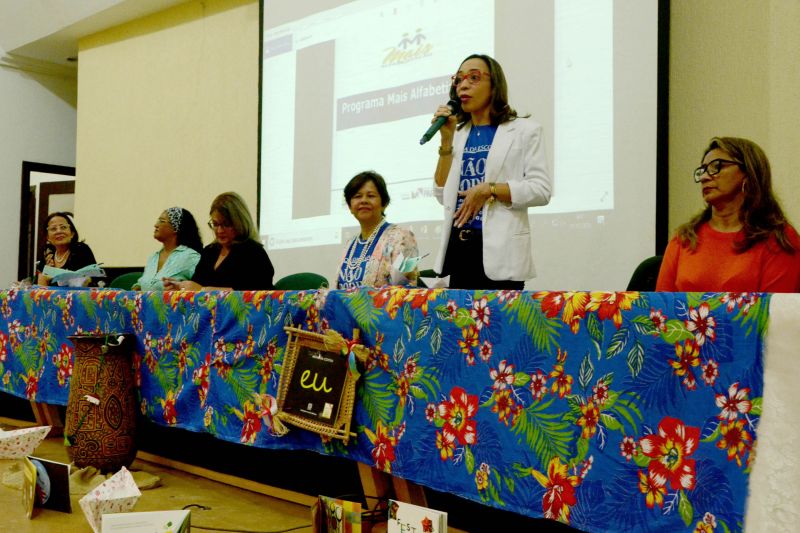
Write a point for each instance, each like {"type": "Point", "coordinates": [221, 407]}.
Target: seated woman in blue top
{"type": "Point", "coordinates": [177, 231]}
{"type": "Point", "coordinates": [63, 249]}
{"type": "Point", "coordinates": [236, 259]}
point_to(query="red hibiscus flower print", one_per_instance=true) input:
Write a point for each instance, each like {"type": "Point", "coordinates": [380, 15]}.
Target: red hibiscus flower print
{"type": "Point", "coordinates": [669, 450]}
{"type": "Point", "coordinates": [710, 372]}
{"type": "Point", "coordinates": [502, 376]}
{"type": "Point", "coordinates": [563, 382]}
{"type": "Point", "coordinates": [560, 494]}
{"type": "Point", "coordinates": [538, 385]}
{"type": "Point", "coordinates": [458, 416]}
{"type": "Point", "coordinates": [652, 485]}
{"type": "Point", "coordinates": [735, 439]}
{"type": "Point", "coordinates": [588, 419]}
{"type": "Point", "coordinates": [383, 445]}
{"type": "Point", "coordinates": [687, 357]}
{"type": "Point", "coordinates": [701, 324]}
{"type": "Point", "coordinates": [736, 402]}
{"type": "Point", "coordinates": [251, 422]}
{"type": "Point", "coordinates": [609, 305]}
{"type": "Point", "coordinates": [627, 448]}
{"type": "Point", "coordinates": [169, 412]}
{"type": "Point", "coordinates": [480, 313]}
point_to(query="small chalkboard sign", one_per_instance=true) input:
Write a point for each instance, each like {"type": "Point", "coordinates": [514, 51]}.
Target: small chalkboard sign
{"type": "Point", "coordinates": [317, 387]}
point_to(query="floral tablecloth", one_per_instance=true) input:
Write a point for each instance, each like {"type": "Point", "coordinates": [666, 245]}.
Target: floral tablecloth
{"type": "Point", "coordinates": [607, 411]}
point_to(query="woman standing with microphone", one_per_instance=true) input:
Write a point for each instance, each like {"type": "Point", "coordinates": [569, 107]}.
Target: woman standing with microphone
{"type": "Point", "coordinates": [492, 167]}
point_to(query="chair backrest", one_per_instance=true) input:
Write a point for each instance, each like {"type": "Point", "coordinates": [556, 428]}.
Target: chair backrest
{"type": "Point", "coordinates": [645, 276]}
{"type": "Point", "coordinates": [301, 281]}
{"type": "Point", "coordinates": [125, 281]}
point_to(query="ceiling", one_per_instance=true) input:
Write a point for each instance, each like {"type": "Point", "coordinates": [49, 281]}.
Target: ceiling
{"type": "Point", "coordinates": [44, 33]}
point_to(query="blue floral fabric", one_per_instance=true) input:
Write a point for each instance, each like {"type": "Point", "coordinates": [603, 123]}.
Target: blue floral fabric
{"type": "Point", "coordinates": [607, 411]}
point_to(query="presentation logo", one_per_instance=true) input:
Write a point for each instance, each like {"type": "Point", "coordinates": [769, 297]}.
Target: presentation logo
{"type": "Point", "coordinates": [408, 49]}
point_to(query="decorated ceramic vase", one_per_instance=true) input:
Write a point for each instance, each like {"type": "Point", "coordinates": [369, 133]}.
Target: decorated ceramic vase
{"type": "Point", "coordinates": [101, 411]}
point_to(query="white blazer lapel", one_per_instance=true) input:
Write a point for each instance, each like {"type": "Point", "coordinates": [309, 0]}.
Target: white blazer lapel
{"type": "Point", "coordinates": [503, 138]}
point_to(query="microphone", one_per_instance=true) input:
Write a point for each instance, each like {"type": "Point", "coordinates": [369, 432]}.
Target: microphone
{"type": "Point", "coordinates": [455, 107]}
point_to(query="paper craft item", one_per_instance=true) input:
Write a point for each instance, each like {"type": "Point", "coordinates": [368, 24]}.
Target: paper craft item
{"type": "Point", "coordinates": [332, 515]}
{"type": "Point", "coordinates": [28, 486]}
{"type": "Point", "coordinates": [148, 522]}
{"type": "Point", "coordinates": [403, 265]}
{"type": "Point", "coordinates": [20, 443]}
{"type": "Point", "coordinates": [118, 494]}
{"type": "Point", "coordinates": [52, 484]}
{"type": "Point", "coordinates": [405, 517]}
{"type": "Point", "coordinates": [73, 278]}
{"type": "Point", "coordinates": [406, 264]}
{"type": "Point", "coordinates": [436, 283]}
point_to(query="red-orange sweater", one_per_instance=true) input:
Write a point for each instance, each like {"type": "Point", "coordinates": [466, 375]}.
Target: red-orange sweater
{"type": "Point", "coordinates": [714, 266]}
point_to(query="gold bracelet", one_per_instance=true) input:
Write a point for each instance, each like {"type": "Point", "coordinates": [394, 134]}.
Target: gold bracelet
{"type": "Point", "coordinates": [493, 192]}
{"type": "Point", "coordinates": [448, 150]}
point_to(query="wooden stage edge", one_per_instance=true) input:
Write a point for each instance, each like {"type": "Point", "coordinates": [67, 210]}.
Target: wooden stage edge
{"type": "Point", "coordinates": [253, 486]}
{"type": "Point", "coordinates": [374, 482]}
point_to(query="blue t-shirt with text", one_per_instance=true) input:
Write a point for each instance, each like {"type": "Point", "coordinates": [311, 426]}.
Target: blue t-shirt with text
{"type": "Point", "coordinates": [473, 165]}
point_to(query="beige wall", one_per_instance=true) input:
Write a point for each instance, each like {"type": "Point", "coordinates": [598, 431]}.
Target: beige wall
{"type": "Point", "coordinates": [168, 115]}
{"type": "Point", "coordinates": [167, 110]}
{"type": "Point", "coordinates": [734, 71]}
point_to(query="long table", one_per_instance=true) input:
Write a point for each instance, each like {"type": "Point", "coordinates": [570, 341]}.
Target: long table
{"type": "Point", "coordinates": [607, 411]}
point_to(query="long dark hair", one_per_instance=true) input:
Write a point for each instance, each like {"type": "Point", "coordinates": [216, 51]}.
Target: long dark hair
{"type": "Point", "coordinates": [499, 109]}
{"type": "Point", "coordinates": [761, 214]}
{"type": "Point", "coordinates": [188, 233]}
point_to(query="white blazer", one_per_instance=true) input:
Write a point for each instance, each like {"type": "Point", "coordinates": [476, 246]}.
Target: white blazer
{"type": "Point", "coordinates": [517, 157]}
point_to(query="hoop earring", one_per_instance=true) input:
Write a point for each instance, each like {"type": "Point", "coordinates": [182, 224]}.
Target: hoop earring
{"type": "Point", "coordinates": [744, 189]}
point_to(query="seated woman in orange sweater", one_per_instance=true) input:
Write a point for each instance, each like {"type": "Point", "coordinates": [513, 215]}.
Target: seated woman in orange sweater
{"type": "Point", "coordinates": [741, 241]}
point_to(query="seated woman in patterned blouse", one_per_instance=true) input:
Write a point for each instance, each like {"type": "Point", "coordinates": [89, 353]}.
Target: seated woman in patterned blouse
{"type": "Point", "coordinates": [176, 229]}
{"type": "Point", "coordinates": [370, 255]}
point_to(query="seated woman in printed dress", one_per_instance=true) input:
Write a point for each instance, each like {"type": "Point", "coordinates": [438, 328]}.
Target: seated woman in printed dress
{"type": "Point", "coordinates": [176, 229]}
{"type": "Point", "coordinates": [369, 257]}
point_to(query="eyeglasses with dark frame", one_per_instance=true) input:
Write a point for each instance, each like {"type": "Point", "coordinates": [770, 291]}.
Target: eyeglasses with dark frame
{"type": "Point", "coordinates": [215, 225]}
{"type": "Point", "coordinates": [473, 76]}
{"type": "Point", "coordinates": [712, 168]}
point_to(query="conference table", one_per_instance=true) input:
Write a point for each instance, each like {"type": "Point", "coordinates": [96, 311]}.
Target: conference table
{"type": "Point", "coordinates": [609, 411]}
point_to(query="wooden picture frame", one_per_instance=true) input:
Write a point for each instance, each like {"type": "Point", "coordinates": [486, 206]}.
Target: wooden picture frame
{"type": "Point", "coordinates": [317, 388]}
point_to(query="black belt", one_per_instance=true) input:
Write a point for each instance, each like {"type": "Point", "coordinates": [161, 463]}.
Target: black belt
{"type": "Point", "coordinates": [467, 234]}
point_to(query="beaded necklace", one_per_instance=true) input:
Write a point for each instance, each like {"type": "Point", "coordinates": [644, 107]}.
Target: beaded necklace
{"type": "Point", "coordinates": [352, 271]}
{"type": "Point", "coordinates": [60, 260]}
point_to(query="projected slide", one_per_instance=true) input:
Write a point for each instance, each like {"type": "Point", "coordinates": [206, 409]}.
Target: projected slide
{"type": "Point", "coordinates": [353, 88]}
{"type": "Point", "coordinates": [349, 86]}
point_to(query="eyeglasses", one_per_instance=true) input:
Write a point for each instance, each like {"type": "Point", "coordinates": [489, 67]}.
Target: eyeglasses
{"type": "Point", "coordinates": [473, 76]}
{"type": "Point", "coordinates": [56, 229]}
{"type": "Point", "coordinates": [711, 168]}
{"type": "Point", "coordinates": [215, 225]}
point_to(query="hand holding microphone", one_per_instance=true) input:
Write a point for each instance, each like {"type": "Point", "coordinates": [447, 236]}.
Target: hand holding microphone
{"type": "Point", "coordinates": [453, 106]}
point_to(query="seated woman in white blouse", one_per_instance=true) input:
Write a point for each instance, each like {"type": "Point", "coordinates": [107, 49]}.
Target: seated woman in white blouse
{"type": "Point", "coordinates": [176, 229]}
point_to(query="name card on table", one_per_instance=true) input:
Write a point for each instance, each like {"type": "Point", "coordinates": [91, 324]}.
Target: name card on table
{"type": "Point", "coordinates": [318, 384]}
